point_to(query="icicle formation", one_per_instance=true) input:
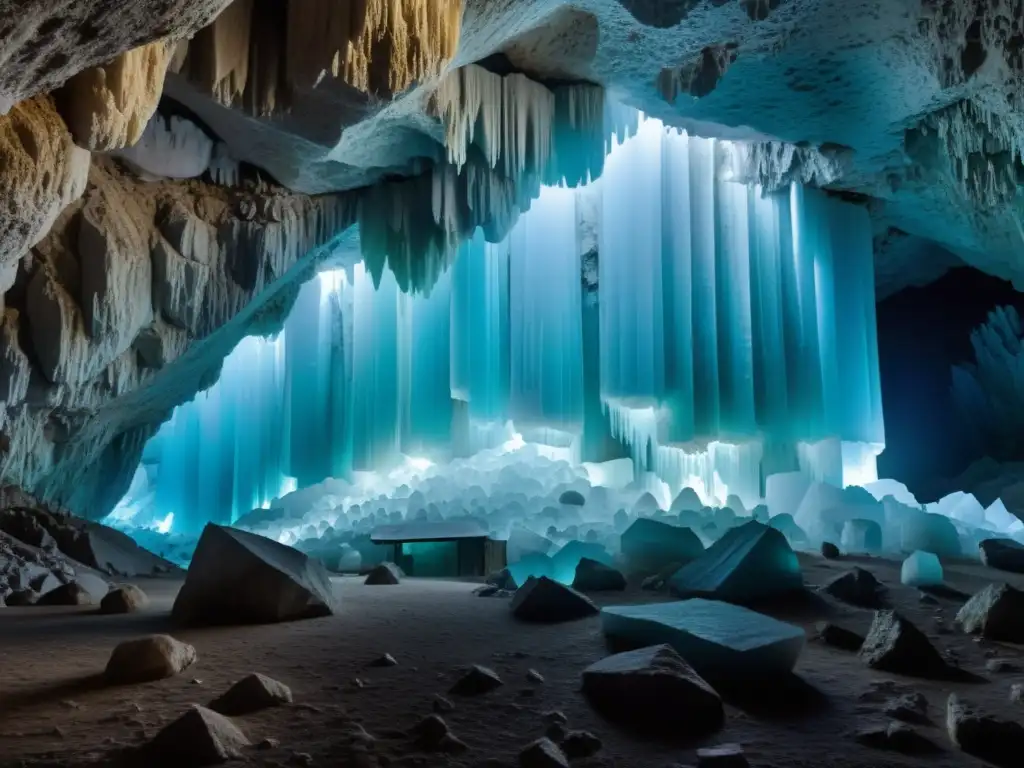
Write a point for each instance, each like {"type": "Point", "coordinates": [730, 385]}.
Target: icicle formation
{"type": "Point", "coordinates": [731, 317]}
{"type": "Point", "coordinates": [545, 339]}
{"type": "Point", "coordinates": [989, 392]}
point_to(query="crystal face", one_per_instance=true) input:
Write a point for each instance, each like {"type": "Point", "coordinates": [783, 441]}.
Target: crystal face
{"type": "Point", "coordinates": [712, 333]}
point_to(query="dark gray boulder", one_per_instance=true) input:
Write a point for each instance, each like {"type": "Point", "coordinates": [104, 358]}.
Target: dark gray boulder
{"type": "Point", "coordinates": [251, 694]}
{"type": "Point", "coordinates": [238, 578]}
{"type": "Point", "coordinates": [594, 576]}
{"type": "Point", "coordinates": [653, 689]}
{"type": "Point", "coordinates": [856, 587]}
{"type": "Point", "coordinates": [1002, 554]}
{"type": "Point", "coordinates": [200, 737]}
{"type": "Point", "coordinates": [384, 574]}
{"type": "Point", "coordinates": [894, 644]}
{"type": "Point", "coordinates": [544, 600]}
{"type": "Point", "coordinates": [999, 742]}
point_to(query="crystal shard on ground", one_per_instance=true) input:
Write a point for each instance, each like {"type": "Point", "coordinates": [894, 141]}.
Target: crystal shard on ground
{"type": "Point", "coordinates": [717, 639]}
{"type": "Point", "coordinates": [748, 563]}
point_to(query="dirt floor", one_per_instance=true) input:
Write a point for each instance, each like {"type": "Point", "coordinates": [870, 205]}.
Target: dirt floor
{"type": "Point", "coordinates": [54, 711]}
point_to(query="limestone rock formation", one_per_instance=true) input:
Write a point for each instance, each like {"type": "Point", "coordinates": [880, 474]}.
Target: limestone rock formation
{"type": "Point", "coordinates": [107, 107]}
{"type": "Point", "coordinates": [239, 577]}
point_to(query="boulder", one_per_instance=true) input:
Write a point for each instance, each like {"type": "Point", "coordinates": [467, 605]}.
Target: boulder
{"type": "Point", "coordinates": [592, 576]}
{"type": "Point", "coordinates": [856, 587]}
{"type": "Point", "coordinates": [1002, 554]}
{"type": "Point", "coordinates": [21, 598]}
{"type": "Point", "coordinates": [251, 694]}
{"type": "Point", "coordinates": [384, 574]}
{"type": "Point", "coordinates": [654, 689]}
{"type": "Point", "coordinates": [829, 550]}
{"type": "Point", "coordinates": [476, 681]}
{"type": "Point", "coordinates": [894, 644]}
{"type": "Point", "coordinates": [999, 742]}
{"type": "Point", "coordinates": [544, 600]}
{"type": "Point", "coordinates": [921, 569]}
{"type": "Point", "coordinates": [748, 563]}
{"type": "Point", "coordinates": [503, 579]}
{"type": "Point", "coordinates": [909, 708]}
{"type": "Point", "coordinates": [200, 737]}
{"type": "Point", "coordinates": [543, 753]}
{"type": "Point", "coordinates": [71, 593]}
{"type": "Point", "coordinates": [648, 546]}
{"type": "Point", "coordinates": [896, 737]}
{"type": "Point", "coordinates": [838, 637]}
{"type": "Point", "coordinates": [717, 639]}
{"type": "Point", "coordinates": [433, 735]}
{"type": "Point", "coordinates": [239, 577]}
{"type": "Point", "coordinates": [580, 744]}
{"type": "Point", "coordinates": [147, 659]}
{"type": "Point", "coordinates": [996, 612]}
{"type": "Point", "coordinates": [124, 599]}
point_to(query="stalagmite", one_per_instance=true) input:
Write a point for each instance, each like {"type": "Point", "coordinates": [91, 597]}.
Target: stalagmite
{"type": "Point", "coordinates": [108, 107]}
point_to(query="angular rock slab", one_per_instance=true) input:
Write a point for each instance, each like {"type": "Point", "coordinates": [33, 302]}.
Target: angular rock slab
{"type": "Point", "coordinates": [1002, 554]}
{"type": "Point", "coordinates": [894, 644]}
{"type": "Point", "coordinates": [239, 577]}
{"type": "Point", "coordinates": [544, 600]}
{"type": "Point", "coordinates": [251, 694]}
{"type": "Point", "coordinates": [594, 576]}
{"type": "Point", "coordinates": [996, 612]}
{"type": "Point", "coordinates": [385, 574]}
{"type": "Point", "coordinates": [655, 689]}
{"type": "Point", "coordinates": [999, 742]}
{"type": "Point", "coordinates": [748, 563]}
{"type": "Point", "coordinates": [715, 638]}
{"type": "Point", "coordinates": [198, 738]}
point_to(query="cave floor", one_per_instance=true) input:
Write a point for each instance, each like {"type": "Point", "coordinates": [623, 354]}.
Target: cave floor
{"type": "Point", "coordinates": [54, 712]}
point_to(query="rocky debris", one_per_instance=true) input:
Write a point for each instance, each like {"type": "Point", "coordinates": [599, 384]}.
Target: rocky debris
{"type": "Point", "coordinates": [544, 600]}
{"type": "Point", "coordinates": [385, 573]}
{"type": "Point", "coordinates": [722, 756]}
{"type": "Point", "coordinates": [1002, 666]}
{"type": "Point", "coordinates": [996, 613]}
{"type": "Point", "coordinates": [477, 681]}
{"type": "Point", "coordinates": [433, 735]}
{"type": "Point", "coordinates": [894, 644]}
{"type": "Point", "coordinates": [829, 550]}
{"type": "Point", "coordinates": [147, 659]}
{"type": "Point", "coordinates": [239, 577]}
{"type": "Point", "coordinates": [251, 694]}
{"type": "Point", "coordinates": [896, 737]}
{"type": "Point", "coordinates": [658, 581]}
{"type": "Point", "coordinates": [649, 687]}
{"type": "Point", "coordinates": [572, 498]}
{"type": "Point", "coordinates": [503, 580]}
{"type": "Point", "coordinates": [543, 753]}
{"type": "Point", "coordinates": [838, 637]}
{"type": "Point", "coordinates": [909, 708]}
{"type": "Point", "coordinates": [554, 716]}
{"type": "Point", "coordinates": [534, 676]}
{"type": "Point", "coordinates": [200, 737]}
{"type": "Point", "coordinates": [1002, 554]}
{"type": "Point", "coordinates": [856, 587]}
{"type": "Point", "coordinates": [594, 576]}
{"type": "Point", "coordinates": [579, 744]}
{"type": "Point", "coordinates": [1017, 693]}
{"type": "Point", "coordinates": [387, 660]}
{"type": "Point", "coordinates": [126, 598]}
{"type": "Point", "coordinates": [441, 705]}
{"type": "Point", "coordinates": [487, 590]}
{"type": "Point", "coordinates": [71, 593]}
{"type": "Point", "coordinates": [1000, 742]}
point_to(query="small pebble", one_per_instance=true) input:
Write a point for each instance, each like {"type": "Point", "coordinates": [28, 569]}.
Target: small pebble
{"type": "Point", "coordinates": [387, 660]}
{"type": "Point", "coordinates": [534, 676]}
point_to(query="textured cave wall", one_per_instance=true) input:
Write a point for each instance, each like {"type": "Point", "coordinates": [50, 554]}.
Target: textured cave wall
{"type": "Point", "coordinates": [922, 333]}
{"type": "Point", "coordinates": [127, 307]}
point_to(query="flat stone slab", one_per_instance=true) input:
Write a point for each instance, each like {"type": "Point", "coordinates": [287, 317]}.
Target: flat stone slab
{"type": "Point", "coordinates": [715, 638]}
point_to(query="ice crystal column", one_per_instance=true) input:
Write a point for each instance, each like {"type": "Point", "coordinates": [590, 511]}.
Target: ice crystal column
{"type": "Point", "coordinates": [479, 328]}
{"type": "Point", "coordinates": [375, 371]}
{"type": "Point", "coordinates": [545, 331]}
{"type": "Point", "coordinates": [426, 370]}
{"type": "Point", "coordinates": [222, 455]}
